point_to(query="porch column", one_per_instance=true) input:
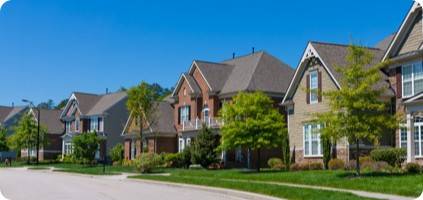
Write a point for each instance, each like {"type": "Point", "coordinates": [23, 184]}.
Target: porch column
{"type": "Point", "coordinates": [410, 138]}
{"type": "Point", "coordinates": [63, 148]}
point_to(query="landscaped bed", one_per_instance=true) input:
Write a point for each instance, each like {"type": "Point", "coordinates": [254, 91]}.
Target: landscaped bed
{"type": "Point", "coordinates": [405, 185]}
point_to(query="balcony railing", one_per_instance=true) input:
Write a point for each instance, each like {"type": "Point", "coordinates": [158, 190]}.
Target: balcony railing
{"type": "Point", "coordinates": [198, 124]}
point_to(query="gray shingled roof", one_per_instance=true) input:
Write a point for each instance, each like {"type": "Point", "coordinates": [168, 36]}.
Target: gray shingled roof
{"type": "Point", "coordinates": [105, 102]}
{"type": "Point", "coordinates": [384, 44]}
{"type": "Point", "coordinates": [163, 119]}
{"type": "Point", "coordinates": [51, 120]}
{"type": "Point", "coordinates": [258, 72]}
{"type": "Point", "coordinates": [216, 74]}
{"type": "Point", "coordinates": [93, 104]}
{"type": "Point", "coordinates": [7, 113]}
{"type": "Point", "coordinates": [334, 55]}
{"type": "Point", "coordinates": [196, 89]}
{"type": "Point", "coordinates": [4, 112]}
{"type": "Point", "coordinates": [86, 101]}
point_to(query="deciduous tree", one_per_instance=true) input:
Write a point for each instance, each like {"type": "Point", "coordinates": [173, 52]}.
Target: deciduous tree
{"type": "Point", "coordinates": [359, 111]}
{"type": "Point", "coordinates": [252, 122]}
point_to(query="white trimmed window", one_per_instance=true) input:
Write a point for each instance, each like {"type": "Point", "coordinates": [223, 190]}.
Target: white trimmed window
{"type": "Point", "coordinates": [185, 114]}
{"type": "Point", "coordinates": [68, 148]}
{"type": "Point", "coordinates": [314, 83]}
{"type": "Point", "coordinates": [312, 144]}
{"type": "Point", "coordinates": [188, 143]}
{"type": "Point", "coordinates": [77, 125]}
{"type": "Point", "coordinates": [403, 136]}
{"type": "Point", "coordinates": [181, 145]}
{"type": "Point", "coordinates": [94, 124]}
{"type": "Point", "coordinates": [412, 79]}
{"type": "Point", "coordinates": [133, 149]}
{"type": "Point", "coordinates": [68, 127]}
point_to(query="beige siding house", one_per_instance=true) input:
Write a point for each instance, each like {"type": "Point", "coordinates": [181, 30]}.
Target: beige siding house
{"type": "Point", "coordinates": [406, 78]}
{"type": "Point", "coordinates": [315, 75]}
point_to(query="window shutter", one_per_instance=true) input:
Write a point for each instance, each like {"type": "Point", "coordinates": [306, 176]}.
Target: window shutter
{"type": "Point", "coordinates": [308, 89]}
{"type": "Point", "coordinates": [319, 90]}
{"type": "Point", "coordinates": [399, 82]}
{"type": "Point", "coordinates": [179, 115]}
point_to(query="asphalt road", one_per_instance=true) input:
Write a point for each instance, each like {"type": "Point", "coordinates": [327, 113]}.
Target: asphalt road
{"type": "Point", "coordinates": [22, 184]}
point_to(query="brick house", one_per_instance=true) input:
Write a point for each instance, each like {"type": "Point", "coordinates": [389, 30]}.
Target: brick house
{"type": "Point", "coordinates": [159, 135]}
{"type": "Point", "coordinates": [105, 114]}
{"type": "Point", "coordinates": [199, 93]}
{"type": "Point", "coordinates": [405, 75]}
{"type": "Point", "coordinates": [315, 75]}
{"type": "Point", "coordinates": [50, 119]}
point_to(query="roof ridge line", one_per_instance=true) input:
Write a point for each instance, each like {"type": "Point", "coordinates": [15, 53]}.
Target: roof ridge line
{"type": "Point", "coordinates": [245, 55]}
{"type": "Point", "coordinates": [255, 69]}
{"type": "Point", "coordinates": [342, 45]}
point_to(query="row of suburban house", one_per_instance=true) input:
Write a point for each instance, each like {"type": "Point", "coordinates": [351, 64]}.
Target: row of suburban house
{"type": "Point", "coordinates": [200, 93]}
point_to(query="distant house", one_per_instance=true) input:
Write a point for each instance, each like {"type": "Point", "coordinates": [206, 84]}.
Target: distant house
{"type": "Point", "coordinates": [159, 135]}
{"type": "Point", "coordinates": [49, 119]}
{"type": "Point", "coordinates": [315, 75]}
{"type": "Point", "coordinates": [104, 114]}
{"type": "Point", "coordinates": [405, 54]}
{"type": "Point", "coordinates": [9, 116]}
{"type": "Point", "coordinates": [200, 93]}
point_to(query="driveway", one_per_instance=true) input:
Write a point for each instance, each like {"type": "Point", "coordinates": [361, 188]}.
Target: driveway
{"type": "Point", "coordinates": [22, 184]}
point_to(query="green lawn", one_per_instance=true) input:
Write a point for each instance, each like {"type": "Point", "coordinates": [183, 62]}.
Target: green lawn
{"type": "Point", "coordinates": [406, 185]}
{"type": "Point", "coordinates": [271, 190]}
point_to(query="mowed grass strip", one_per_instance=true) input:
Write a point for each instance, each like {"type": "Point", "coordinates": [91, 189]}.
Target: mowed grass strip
{"type": "Point", "coordinates": [266, 189]}
{"type": "Point", "coordinates": [400, 184]}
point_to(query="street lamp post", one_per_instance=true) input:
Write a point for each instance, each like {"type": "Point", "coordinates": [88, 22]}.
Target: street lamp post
{"type": "Point", "coordinates": [38, 127]}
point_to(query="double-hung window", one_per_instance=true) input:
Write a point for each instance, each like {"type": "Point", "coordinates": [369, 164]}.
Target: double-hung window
{"type": "Point", "coordinates": [77, 125]}
{"type": "Point", "coordinates": [185, 114]}
{"type": "Point", "coordinates": [312, 144]}
{"type": "Point", "coordinates": [181, 145]}
{"type": "Point", "coordinates": [418, 136]}
{"type": "Point", "coordinates": [314, 86]}
{"type": "Point", "coordinates": [94, 124]}
{"type": "Point", "coordinates": [68, 127]}
{"type": "Point", "coordinates": [412, 79]}
{"type": "Point", "coordinates": [403, 136]}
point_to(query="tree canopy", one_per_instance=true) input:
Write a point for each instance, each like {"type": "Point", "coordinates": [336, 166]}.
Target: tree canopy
{"type": "Point", "coordinates": [359, 111]}
{"type": "Point", "coordinates": [3, 139]}
{"type": "Point", "coordinates": [251, 121]}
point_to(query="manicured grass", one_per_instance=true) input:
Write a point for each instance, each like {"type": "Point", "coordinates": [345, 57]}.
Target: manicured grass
{"type": "Point", "coordinates": [266, 189]}
{"type": "Point", "coordinates": [400, 184]}
{"type": "Point", "coordinates": [38, 168]}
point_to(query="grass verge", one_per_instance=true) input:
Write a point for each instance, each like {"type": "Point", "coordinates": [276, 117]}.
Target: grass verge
{"type": "Point", "coordinates": [266, 189]}
{"type": "Point", "coordinates": [399, 184]}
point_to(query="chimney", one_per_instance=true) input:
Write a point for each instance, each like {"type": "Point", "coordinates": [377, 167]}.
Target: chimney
{"type": "Point", "coordinates": [253, 50]}
{"type": "Point", "coordinates": [233, 55]}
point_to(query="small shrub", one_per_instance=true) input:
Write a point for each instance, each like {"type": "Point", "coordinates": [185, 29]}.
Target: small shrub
{"type": "Point", "coordinates": [381, 166]}
{"type": "Point", "coordinates": [413, 168]}
{"type": "Point", "coordinates": [68, 159]}
{"type": "Point", "coordinates": [275, 163]}
{"type": "Point", "coordinates": [171, 160]}
{"type": "Point", "coordinates": [315, 166]}
{"type": "Point", "coordinates": [336, 164]}
{"type": "Point", "coordinates": [365, 159]}
{"type": "Point", "coordinates": [116, 154]}
{"type": "Point", "coordinates": [296, 167]}
{"type": "Point", "coordinates": [147, 162]}
{"type": "Point", "coordinates": [186, 157]}
{"type": "Point", "coordinates": [128, 163]}
{"type": "Point", "coordinates": [203, 148]}
{"type": "Point", "coordinates": [393, 156]}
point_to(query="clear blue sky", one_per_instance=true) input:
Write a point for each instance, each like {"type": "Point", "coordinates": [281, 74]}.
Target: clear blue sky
{"type": "Point", "coordinates": [49, 48]}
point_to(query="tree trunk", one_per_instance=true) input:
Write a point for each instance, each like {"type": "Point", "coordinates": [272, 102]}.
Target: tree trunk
{"type": "Point", "coordinates": [141, 142]}
{"type": "Point", "coordinates": [249, 158]}
{"type": "Point", "coordinates": [258, 160]}
{"type": "Point", "coordinates": [357, 164]}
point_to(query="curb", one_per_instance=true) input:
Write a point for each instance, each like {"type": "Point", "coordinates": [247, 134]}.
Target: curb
{"type": "Point", "coordinates": [228, 192]}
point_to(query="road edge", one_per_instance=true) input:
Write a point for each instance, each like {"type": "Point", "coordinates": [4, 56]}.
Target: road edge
{"type": "Point", "coordinates": [229, 192]}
